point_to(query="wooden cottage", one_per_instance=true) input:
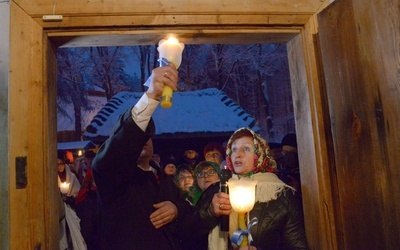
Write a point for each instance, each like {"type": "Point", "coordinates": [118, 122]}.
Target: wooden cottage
{"type": "Point", "coordinates": [344, 64]}
{"type": "Point", "coordinates": [195, 119]}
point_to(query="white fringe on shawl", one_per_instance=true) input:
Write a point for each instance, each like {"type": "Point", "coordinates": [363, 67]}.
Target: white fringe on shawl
{"type": "Point", "coordinates": [269, 187]}
{"type": "Point", "coordinates": [217, 240]}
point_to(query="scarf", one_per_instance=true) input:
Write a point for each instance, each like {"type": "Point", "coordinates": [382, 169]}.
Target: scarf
{"type": "Point", "coordinates": [269, 187]}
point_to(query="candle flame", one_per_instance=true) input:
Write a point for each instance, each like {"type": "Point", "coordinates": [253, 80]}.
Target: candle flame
{"type": "Point", "coordinates": [172, 39]}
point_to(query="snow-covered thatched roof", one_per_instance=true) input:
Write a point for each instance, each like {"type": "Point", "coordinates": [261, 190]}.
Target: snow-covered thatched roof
{"type": "Point", "coordinates": [75, 145]}
{"type": "Point", "coordinates": [207, 111]}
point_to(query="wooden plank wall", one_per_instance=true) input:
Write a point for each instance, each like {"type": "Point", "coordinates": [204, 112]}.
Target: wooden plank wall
{"type": "Point", "coordinates": [32, 86]}
{"type": "Point", "coordinates": [360, 43]}
{"type": "Point", "coordinates": [29, 213]}
{"type": "Point", "coordinates": [314, 138]}
{"type": "Point", "coordinates": [4, 69]}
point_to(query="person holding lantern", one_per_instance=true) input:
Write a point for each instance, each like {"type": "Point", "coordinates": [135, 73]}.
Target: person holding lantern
{"type": "Point", "coordinates": [275, 220]}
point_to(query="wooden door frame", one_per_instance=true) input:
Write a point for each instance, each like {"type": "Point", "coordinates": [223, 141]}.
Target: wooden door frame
{"type": "Point", "coordinates": [32, 133]}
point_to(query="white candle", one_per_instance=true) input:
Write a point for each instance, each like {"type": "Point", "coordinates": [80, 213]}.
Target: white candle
{"type": "Point", "coordinates": [171, 49]}
{"type": "Point", "coordinates": [242, 194]}
{"type": "Point", "coordinates": [64, 187]}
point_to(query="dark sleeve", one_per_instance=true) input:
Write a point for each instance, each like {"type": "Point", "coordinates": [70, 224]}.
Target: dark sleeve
{"type": "Point", "coordinates": [295, 235]}
{"type": "Point", "coordinates": [113, 166]}
{"type": "Point", "coordinates": [199, 221]}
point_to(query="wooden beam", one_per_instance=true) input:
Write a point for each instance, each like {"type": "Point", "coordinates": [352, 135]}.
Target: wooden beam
{"type": "Point", "coordinates": [37, 8]}
{"type": "Point", "coordinates": [168, 20]}
{"type": "Point", "coordinates": [187, 36]}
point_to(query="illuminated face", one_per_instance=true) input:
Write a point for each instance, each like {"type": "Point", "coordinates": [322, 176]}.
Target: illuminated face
{"type": "Point", "coordinates": [185, 180]}
{"type": "Point", "coordinates": [214, 156]}
{"type": "Point", "coordinates": [170, 169]}
{"type": "Point", "coordinates": [243, 155]}
{"type": "Point", "coordinates": [206, 177]}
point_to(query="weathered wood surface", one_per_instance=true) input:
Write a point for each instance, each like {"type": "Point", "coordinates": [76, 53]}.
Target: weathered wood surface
{"type": "Point", "coordinates": [348, 129]}
{"type": "Point", "coordinates": [32, 134]}
{"type": "Point", "coordinates": [193, 36]}
{"type": "Point", "coordinates": [26, 130]}
{"type": "Point", "coordinates": [106, 23]}
{"type": "Point", "coordinates": [131, 7]}
{"type": "Point", "coordinates": [143, 13]}
{"type": "Point", "coordinates": [312, 129]}
{"type": "Point", "coordinates": [360, 43]}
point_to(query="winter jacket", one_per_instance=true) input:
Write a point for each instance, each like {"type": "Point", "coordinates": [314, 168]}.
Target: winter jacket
{"type": "Point", "coordinates": [194, 229]}
{"type": "Point", "coordinates": [280, 223]}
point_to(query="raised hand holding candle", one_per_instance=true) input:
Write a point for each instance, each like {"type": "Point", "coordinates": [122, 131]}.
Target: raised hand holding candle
{"type": "Point", "coordinates": [170, 51]}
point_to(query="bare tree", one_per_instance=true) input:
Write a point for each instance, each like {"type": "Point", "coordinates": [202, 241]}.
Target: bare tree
{"type": "Point", "coordinates": [247, 73]}
{"type": "Point", "coordinates": [72, 87]}
{"type": "Point", "coordinates": [108, 69]}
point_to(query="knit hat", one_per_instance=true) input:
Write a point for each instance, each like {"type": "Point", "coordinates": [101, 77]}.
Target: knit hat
{"type": "Point", "coordinates": [262, 162]}
{"type": "Point", "coordinates": [289, 140]}
{"type": "Point", "coordinates": [169, 160]}
{"type": "Point", "coordinates": [205, 164]}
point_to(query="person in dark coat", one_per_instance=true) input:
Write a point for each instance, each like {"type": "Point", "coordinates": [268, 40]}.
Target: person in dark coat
{"type": "Point", "coordinates": [196, 230]}
{"type": "Point", "coordinates": [277, 205]}
{"type": "Point", "coordinates": [289, 167]}
{"type": "Point", "coordinates": [138, 204]}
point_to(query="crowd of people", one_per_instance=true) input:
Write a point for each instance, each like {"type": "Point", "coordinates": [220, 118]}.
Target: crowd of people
{"type": "Point", "coordinates": [126, 197]}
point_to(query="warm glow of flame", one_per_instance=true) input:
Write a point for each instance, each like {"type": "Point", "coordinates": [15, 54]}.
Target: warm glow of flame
{"type": "Point", "coordinates": [171, 50]}
{"type": "Point", "coordinates": [64, 187]}
{"type": "Point", "coordinates": [172, 39]}
{"type": "Point", "coordinates": [242, 194]}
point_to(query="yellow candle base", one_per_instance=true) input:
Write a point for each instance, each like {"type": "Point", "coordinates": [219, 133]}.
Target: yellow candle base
{"type": "Point", "coordinates": [242, 225]}
{"type": "Point", "coordinates": [166, 102]}
{"type": "Point", "coordinates": [166, 99]}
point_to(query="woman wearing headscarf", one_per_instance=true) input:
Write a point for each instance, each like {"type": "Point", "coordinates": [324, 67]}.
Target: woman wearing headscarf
{"type": "Point", "coordinates": [65, 175]}
{"type": "Point", "coordinates": [70, 231]}
{"type": "Point", "coordinates": [277, 206]}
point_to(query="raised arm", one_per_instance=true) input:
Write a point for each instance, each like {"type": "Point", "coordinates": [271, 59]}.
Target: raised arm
{"type": "Point", "coordinates": [115, 162]}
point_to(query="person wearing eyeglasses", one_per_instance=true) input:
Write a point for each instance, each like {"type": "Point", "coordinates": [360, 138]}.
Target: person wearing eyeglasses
{"type": "Point", "coordinates": [196, 232]}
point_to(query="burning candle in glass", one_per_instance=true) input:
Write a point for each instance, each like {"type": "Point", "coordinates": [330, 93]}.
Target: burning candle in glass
{"type": "Point", "coordinates": [170, 51]}
{"type": "Point", "coordinates": [64, 187]}
{"type": "Point", "coordinates": [242, 198]}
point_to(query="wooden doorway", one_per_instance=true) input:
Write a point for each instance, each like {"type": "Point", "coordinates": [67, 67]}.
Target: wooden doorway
{"type": "Point", "coordinates": [33, 92]}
